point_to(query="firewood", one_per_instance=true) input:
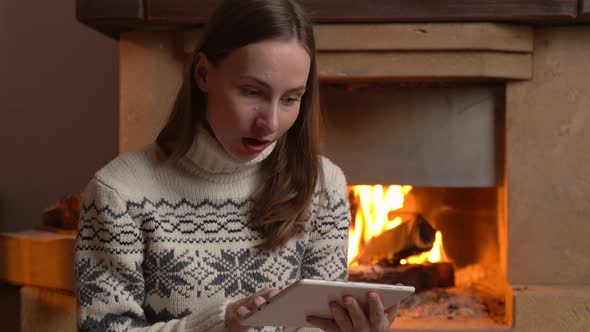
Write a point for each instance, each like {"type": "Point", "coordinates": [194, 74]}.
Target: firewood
{"type": "Point", "coordinates": [421, 276]}
{"type": "Point", "coordinates": [64, 214]}
{"type": "Point", "coordinates": [409, 238]}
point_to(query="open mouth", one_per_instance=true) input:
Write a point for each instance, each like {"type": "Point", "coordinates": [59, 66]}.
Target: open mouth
{"type": "Point", "coordinates": [255, 142]}
{"type": "Point", "coordinates": [254, 145]}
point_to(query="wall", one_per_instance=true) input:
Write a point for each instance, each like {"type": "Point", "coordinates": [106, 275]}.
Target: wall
{"type": "Point", "coordinates": [58, 106]}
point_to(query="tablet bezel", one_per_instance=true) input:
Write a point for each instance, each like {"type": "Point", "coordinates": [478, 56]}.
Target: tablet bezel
{"type": "Point", "coordinates": [291, 306]}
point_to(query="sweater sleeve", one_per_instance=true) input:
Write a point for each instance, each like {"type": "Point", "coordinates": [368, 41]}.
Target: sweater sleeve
{"type": "Point", "coordinates": [109, 277]}
{"type": "Point", "coordinates": [325, 256]}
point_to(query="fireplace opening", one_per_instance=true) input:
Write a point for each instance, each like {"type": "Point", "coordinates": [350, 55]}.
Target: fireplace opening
{"type": "Point", "coordinates": [443, 241]}
{"type": "Point", "coordinates": [425, 167]}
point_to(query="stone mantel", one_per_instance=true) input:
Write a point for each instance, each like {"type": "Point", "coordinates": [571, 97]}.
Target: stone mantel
{"type": "Point", "coordinates": [116, 16]}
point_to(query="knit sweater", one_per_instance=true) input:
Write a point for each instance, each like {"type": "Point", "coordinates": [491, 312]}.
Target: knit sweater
{"type": "Point", "coordinates": [166, 246]}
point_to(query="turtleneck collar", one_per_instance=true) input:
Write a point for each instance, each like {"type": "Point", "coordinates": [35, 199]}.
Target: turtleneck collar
{"type": "Point", "coordinates": [208, 157]}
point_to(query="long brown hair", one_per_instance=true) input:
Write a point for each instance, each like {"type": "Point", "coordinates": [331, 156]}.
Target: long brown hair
{"type": "Point", "coordinates": [292, 171]}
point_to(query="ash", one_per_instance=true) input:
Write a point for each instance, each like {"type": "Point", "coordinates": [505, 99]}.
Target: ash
{"type": "Point", "coordinates": [449, 303]}
{"type": "Point", "coordinates": [477, 296]}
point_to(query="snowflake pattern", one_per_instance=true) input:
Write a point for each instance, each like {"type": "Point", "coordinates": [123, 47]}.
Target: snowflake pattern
{"type": "Point", "coordinates": [166, 273]}
{"type": "Point", "coordinates": [238, 272]}
{"type": "Point", "coordinates": [325, 262]}
{"type": "Point", "coordinates": [90, 287]}
{"type": "Point", "coordinates": [108, 280]}
{"type": "Point", "coordinates": [183, 251]}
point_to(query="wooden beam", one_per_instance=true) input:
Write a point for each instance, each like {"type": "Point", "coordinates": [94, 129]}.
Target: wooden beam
{"type": "Point", "coordinates": [439, 10]}
{"type": "Point", "coordinates": [393, 52]}
{"type": "Point", "coordinates": [424, 37]}
{"type": "Point", "coordinates": [109, 9]}
{"type": "Point", "coordinates": [197, 12]}
{"type": "Point", "coordinates": [184, 12]}
{"type": "Point", "coordinates": [413, 37]}
{"type": "Point", "coordinates": [440, 66]}
{"type": "Point", "coordinates": [115, 16]}
{"type": "Point", "coordinates": [38, 258]}
{"type": "Point", "coordinates": [111, 16]}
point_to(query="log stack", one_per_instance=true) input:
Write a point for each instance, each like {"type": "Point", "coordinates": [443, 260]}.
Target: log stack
{"type": "Point", "coordinates": [421, 276]}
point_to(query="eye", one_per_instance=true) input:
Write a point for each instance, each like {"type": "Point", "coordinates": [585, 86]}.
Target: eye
{"type": "Point", "coordinates": [250, 92]}
{"type": "Point", "coordinates": [291, 100]}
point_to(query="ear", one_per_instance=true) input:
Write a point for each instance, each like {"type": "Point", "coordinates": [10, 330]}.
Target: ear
{"type": "Point", "coordinates": [201, 71]}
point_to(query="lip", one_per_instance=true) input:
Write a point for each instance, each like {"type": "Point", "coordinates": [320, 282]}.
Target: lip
{"type": "Point", "coordinates": [254, 149]}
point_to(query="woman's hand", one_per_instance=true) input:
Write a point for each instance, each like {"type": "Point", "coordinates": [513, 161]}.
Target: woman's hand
{"type": "Point", "coordinates": [351, 317]}
{"type": "Point", "coordinates": [236, 310]}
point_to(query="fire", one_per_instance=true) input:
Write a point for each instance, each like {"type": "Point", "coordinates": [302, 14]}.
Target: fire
{"type": "Point", "coordinates": [436, 254]}
{"type": "Point", "coordinates": [371, 219]}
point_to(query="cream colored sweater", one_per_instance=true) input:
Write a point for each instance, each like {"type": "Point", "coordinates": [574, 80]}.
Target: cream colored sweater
{"type": "Point", "coordinates": [165, 247]}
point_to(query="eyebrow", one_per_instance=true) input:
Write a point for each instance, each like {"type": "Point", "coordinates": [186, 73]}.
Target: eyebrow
{"type": "Point", "coordinates": [266, 85]}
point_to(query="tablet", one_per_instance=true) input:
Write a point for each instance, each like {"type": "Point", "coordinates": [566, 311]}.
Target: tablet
{"type": "Point", "coordinates": [306, 297]}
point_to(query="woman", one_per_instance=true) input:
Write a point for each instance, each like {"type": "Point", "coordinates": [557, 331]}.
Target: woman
{"type": "Point", "coordinates": [232, 202]}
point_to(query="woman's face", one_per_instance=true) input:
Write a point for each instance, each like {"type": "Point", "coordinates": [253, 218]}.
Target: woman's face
{"type": "Point", "coordinates": [254, 94]}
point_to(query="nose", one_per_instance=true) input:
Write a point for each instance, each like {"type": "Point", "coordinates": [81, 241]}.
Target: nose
{"type": "Point", "coordinates": [267, 118]}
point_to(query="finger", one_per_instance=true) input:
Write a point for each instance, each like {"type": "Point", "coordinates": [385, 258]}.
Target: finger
{"type": "Point", "coordinates": [255, 302]}
{"type": "Point", "coordinates": [340, 316]}
{"type": "Point", "coordinates": [391, 313]}
{"type": "Point", "coordinates": [325, 324]}
{"type": "Point", "coordinates": [376, 313]}
{"type": "Point", "coordinates": [356, 313]}
{"type": "Point", "coordinates": [242, 311]}
{"type": "Point", "coordinates": [273, 292]}
{"type": "Point", "coordinates": [267, 293]}
{"type": "Point", "coordinates": [233, 314]}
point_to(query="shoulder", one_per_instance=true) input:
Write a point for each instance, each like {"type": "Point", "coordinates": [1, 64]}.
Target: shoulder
{"type": "Point", "coordinates": [130, 169]}
{"type": "Point", "coordinates": [333, 176]}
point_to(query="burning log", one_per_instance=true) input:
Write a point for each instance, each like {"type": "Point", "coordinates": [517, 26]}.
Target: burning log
{"type": "Point", "coordinates": [422, 276]}
{"type": "Point", "coordinates": [409, 238]}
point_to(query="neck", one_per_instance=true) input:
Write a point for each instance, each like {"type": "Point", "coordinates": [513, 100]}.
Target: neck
{"type": "Point", "coordinates": [207, 157]}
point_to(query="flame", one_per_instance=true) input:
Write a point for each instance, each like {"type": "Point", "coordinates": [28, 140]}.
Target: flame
{"type": "Point", "coordinates": [371, 219]}
{"type": "Point", "coordinates": [436, 254]}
